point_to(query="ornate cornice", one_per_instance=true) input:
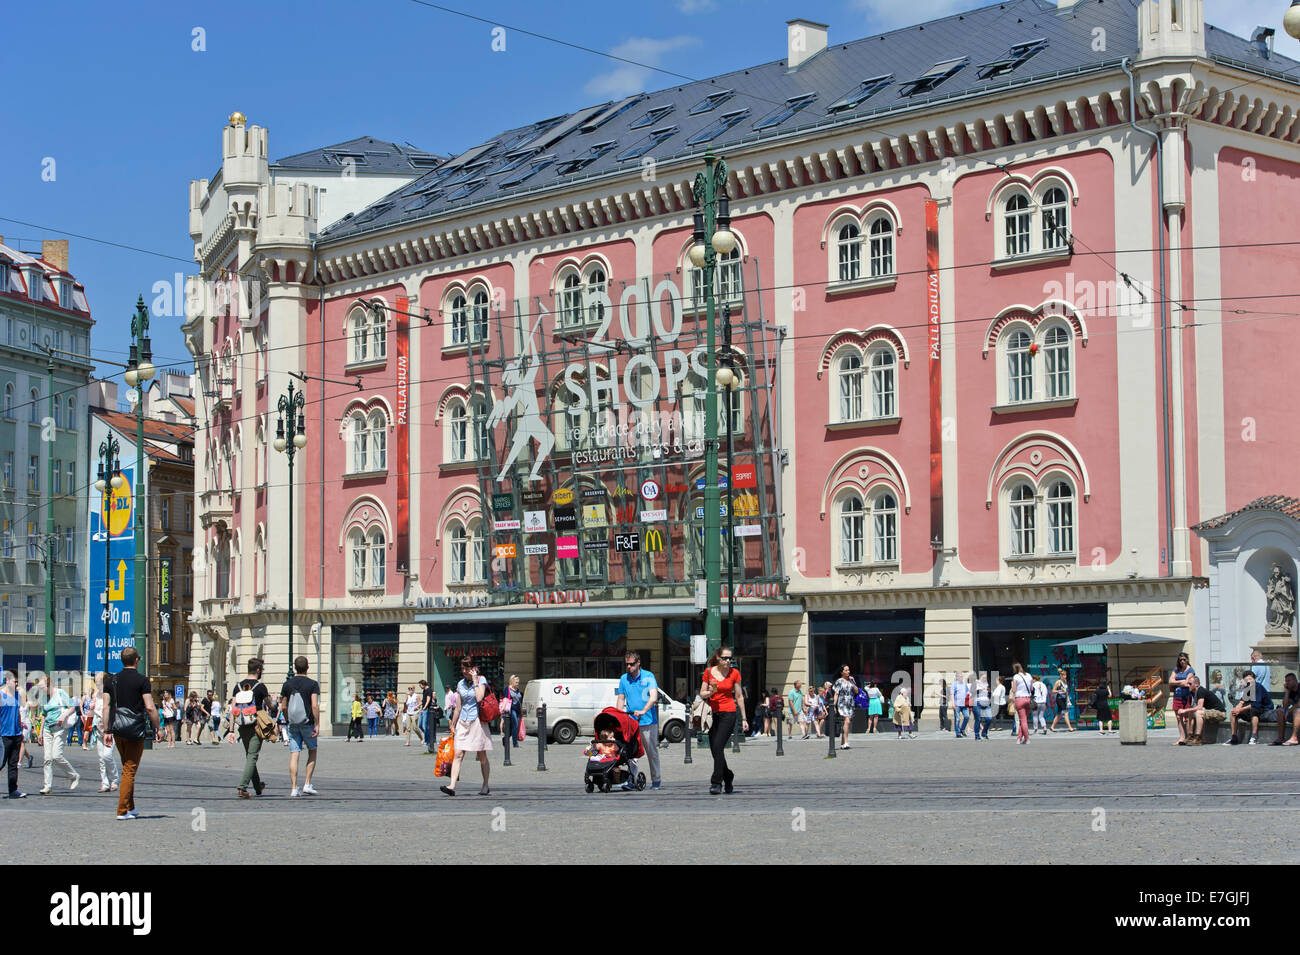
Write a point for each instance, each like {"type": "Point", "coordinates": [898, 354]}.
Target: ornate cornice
{"type": "Point", "coordinates": [1108, 591]}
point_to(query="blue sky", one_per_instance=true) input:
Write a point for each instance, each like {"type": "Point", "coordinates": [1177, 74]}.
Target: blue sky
{"type": "Point", "coordinates": [129, 112]}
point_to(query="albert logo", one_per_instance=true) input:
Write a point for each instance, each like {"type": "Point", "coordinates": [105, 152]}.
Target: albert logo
{"type": "Point", "coordinates": [77, 908]}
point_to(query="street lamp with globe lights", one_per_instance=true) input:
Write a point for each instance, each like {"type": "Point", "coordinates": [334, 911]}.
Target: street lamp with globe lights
{"type": "Point", "coordinates": [1291, 20]}
{"type": "Point", "coordinates": [290, 438]}
{"type": "Point", "coordinates": [139, 372]}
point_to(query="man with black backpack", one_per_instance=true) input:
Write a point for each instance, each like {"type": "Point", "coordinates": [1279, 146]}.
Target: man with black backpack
{"type": "Point", "coordinates": [300, 702]}
{"type": "Point", "coordinates": [251, 697]}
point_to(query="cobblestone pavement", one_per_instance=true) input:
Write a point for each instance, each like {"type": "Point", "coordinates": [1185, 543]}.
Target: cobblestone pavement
{"type": "Point", "coordinates": [1074, 797]}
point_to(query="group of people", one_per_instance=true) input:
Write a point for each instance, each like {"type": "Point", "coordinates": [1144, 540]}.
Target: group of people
{"type": "Point", "coordinates": [390, 717]}
{"type": "Point", "coordinates": [804, 712]}
{"type": "Point", "coordinates": [976, 702]}
{"type": "Point", "coordinates": [1246, 702]}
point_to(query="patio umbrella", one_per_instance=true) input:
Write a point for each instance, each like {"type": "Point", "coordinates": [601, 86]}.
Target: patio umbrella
{"type": "Point", "coordinates": [1118, 638]}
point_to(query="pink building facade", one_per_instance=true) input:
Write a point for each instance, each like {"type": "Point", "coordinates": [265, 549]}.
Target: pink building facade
{"type": "Point", "coordinates": [991, 434]}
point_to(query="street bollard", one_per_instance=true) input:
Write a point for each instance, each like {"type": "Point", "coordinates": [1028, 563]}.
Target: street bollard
{"type": "Point", "coordinates": [541, 738]}
{"type": "Point", "coordinates": [431, 738]}
{"type": "Point", "coordinates": [686, 738]}
{"type": "Point", "coordinates": [780, 750]}
{"type": "Point", "coordinates": [508, 727]}
{"type": "Point", "coordinates": [830, 718]}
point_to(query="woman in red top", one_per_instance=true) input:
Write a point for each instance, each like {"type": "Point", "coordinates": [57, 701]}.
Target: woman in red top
{"type": "Point", "coordinates": [721, 690]}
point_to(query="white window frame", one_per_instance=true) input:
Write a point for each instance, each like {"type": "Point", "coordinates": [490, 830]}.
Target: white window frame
{"type": "Point", "coordinates": [850, 385]}
{"type": "Point", "coordinates": [1055, 236]}
{"type": "Point", "coordinates": [458, 431]}
{"type": "Point", "coordinates": [884, 527]}
{"type": "Point", "coordinates": [851, 541]}
{"type": "Point", "coordinates": [1017, 224]}
{"type": "Point", "coordinates": [882, 258]}
{"type": "Point", "coordinates": [1061, 532]}
{"type": "Point", "coordinates": [1022, 519]}
{"type": "Point", "coordinates": [358, 337]}
{"type": "Point", "coordinates": [1058, 360]}
{"type": "Point", "coordinates": [848, 252]}
{"type": "Point", "coordinates": [883, 378]}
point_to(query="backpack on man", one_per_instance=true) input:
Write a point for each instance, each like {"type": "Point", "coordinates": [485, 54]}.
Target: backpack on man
{"type": "Point", "coordinates": [298, 714]}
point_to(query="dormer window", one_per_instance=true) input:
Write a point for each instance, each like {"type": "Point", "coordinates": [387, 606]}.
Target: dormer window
{"type": "Point", "coordinates": [932, 77]}
{"type": "Point", "coordinates": [712, 102]}
{"type": "Point", "coordinates": [65, 293]}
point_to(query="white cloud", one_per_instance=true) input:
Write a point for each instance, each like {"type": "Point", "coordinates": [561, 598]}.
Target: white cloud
{"type": "Point", "coordinates": [889, 14]}
{"type": "Point", "coordinates": [690, 7]}
{"type": "Point", "coordinates": [626, 78]}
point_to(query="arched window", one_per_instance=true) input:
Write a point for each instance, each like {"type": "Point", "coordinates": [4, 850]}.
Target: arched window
{"type": "Point", "coordinates": [596, 287]}
{"type": "Point", "coordinates": [357, 548]}
{"type": "Point", "coordinates": [1020, 368]}
{"type": "Point", "coordinates": [376, 569]}
{"type": "Point", "coordinates": [882, 246]}
{"type": "Point", "coordinates": [459, 320]}
{"type": "Point", "coordinates": [1056, 362]}
{"type": "Point", "coordinates": [571, 301]}
{"type": "Point", "coordinates": [1060, 518]}
{"type": "Point", "coordinates": [9, 400]}
{"type": "Point", "coordinates": [1022, 513]}
{"type": "Point", "coordinates": [852, 530]}
{"type": "Point", "coordinates": [458, 556]}
{"type": "Point", "coordinates": [850, 375]}
{"type": "Point", "coordinates": [359, 337]}
{"type": "Point", "coordinates": [884, 364]}
{"type": "Point", "coordinates": [457, 431]}
{"type": "Point", "coordinates": [72, 413]}
{"type": "Point", "coordinates": [360, 462]}
{"type": "Point", "coordinates": [850, 252]}
{"type": "Point", "coordinates": [884, 528]}
{"type": "Point", "coordinates": [1016, 224]}
{"type": "Point", "coordinates": [378, 440]}
{"type": "Point", "coordinates": [730, 283]}
{"type": "Point", "coordinates": [58, 410]}
{"type": "Point", "coordinates": [1056, 218]}
{"type": "Point", "coordinates": [478, 561]}
{"type": "Point", "coordinates": [479, 412]}
{"type": "Point", "coordinates": [378, 334]}
{"type": "Point", "coordinates": [34, 407]}
{"type": "Point", "coordinates": [478, 325]}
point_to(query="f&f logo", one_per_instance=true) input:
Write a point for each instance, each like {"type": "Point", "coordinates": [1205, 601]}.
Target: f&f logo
{"type": "Point", "coordinates": [654, 540]}
{"type": "Point", "coordinates": [627, 543]}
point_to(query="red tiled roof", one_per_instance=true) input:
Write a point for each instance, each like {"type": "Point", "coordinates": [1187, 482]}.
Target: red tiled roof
{"type": "Point", "coordinates": [1280, 503]}
{"type": "Point", "coordinates": [185, 404]}
{"type": "Point", "coordinates": [167, 432]}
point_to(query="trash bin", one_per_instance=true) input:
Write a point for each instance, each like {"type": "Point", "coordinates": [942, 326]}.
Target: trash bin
{"type": "Point", "coordinates": [1133, 722]}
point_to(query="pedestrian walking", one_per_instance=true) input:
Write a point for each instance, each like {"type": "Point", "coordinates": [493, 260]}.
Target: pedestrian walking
{"type": "Point", "coordinates": [721, 690]}
{"type": "Point", "coordinates": [845, 691]}
{"type": "Point", "coordinates": [943, 705]}
{"type": "Point", "coordinates": [426, 704]}
{"type": "Point", "coordinates": [1101, 703]}
{"type": "Point", "coordinates": [903, 713]}
{"type": "Point", "coordinates": [1061, 696]}
{"type": "Point", "coordinates": [251, 697]}
{"type": "Point", "coordinates": [638, 696]}
{"type": "Point", "coordinates": [11, 730]}
{"type": "Point", "coordinates": [193, 719]}
{"type": "Point", "coordinates": [109, 774]}
{"type": "Point", "coordinates": [300, 709]}
{"type": "Point", "coordinates": [214, 711]}
{"type": "Point", "coordinates": [358, 714]}
{"type": "Point", "coordinates": [983, 707]}
{"type": "Point", "coordinates": [512, 710]}
{"type": "Point", "coordinates": [390, 713]}
{"type": "Point", "coordinates": [998, 698]}
{"type": "Point", "coordinates": [57, 711]}
{"type": "Point", "coordinates": [795, 717]}
{"type": "Point", "coordinates": [128, 701]}
{"type": "Point", "coordinates": [875, 707]}
{"type": "Point", "coordinates": [168, 710]}
{"type": "Point", "coordinates": [1022, 691]}
{"type": "Point", "coordinates": [1040, 705]}
{"type": "Point", "coordinates": [960, 705]}
{"type": "Point", "coordinates": [412, 716]}
{"type": "Point", "coordinates": [373, 710]}
{"type": "Point", "coordinates": [471, 735]}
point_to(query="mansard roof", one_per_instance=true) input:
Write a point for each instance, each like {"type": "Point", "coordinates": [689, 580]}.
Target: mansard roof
{"type": "Point", "coordinates": [968, 55]}
{"type": "Point", "coordinates": [367, 156]}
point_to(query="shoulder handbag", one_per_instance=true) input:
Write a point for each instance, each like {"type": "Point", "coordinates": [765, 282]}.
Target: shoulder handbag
{"type": "Point", "coordinates": [265, 727]}
{"type": "Point", "coordinates": [488, 707]}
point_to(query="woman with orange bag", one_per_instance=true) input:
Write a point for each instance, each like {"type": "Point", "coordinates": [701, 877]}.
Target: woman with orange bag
{"type": "Point", "coordinates": [471, 735]}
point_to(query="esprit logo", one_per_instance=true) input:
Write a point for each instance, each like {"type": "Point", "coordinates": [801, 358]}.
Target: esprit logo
{"type": "Point", "coordinates": [75, 908]}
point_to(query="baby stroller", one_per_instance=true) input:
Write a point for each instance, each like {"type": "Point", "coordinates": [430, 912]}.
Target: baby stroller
{"type": "Point", "coordinates": [605, 771]}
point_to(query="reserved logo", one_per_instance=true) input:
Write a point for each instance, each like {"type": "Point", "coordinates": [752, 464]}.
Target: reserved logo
{"type": "Point", "coordinates": [77, 908]}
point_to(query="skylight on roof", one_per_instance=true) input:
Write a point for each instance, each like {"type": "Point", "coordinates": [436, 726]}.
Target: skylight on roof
{"type": "Point", "coordinates": [357, 159]}
{"type": "Point", "coordinates": [718, 127]}
{"type": "Point", "coordinates": [647, 143]}
{"type": "Point", "coordinates": [462, 191]}
{"type": "Point", "coordinates": [582, 162]}
{"type": "Point", "coordinates": [617, 109]}
{"type": "Point", "coordinates": [512, 161]}
{"type": "Point", "coordinates": [520, 175]}
{"type": "Point", "coordinates": [860, 93]}
{"type": "Point", "coordinates": [711, 102]}
{"type": "Point", "coordinates": [652, 116]}
{"type": "Point", "coordinates": [932, 77]}
{"type": "Point", "coordinates": [782, 113]}
{"type": "Point", "coordinates": [1013, 59]}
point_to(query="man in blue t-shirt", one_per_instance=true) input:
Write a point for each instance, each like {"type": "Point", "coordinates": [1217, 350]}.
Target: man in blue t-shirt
{"type": "Point", "coordinates": [638, 695]}
{"type": "Point", "coordinates": [11, 730]}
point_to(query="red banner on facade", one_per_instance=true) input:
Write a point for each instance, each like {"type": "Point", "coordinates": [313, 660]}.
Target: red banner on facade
{"type": "Point", "coordinates": [936, 371]}
{"type": "Point", "coordinates": [402, 329]}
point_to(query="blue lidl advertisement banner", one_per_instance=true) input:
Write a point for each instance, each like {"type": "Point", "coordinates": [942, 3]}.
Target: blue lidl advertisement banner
{"type": "Point", "coordinates": [110, 630]}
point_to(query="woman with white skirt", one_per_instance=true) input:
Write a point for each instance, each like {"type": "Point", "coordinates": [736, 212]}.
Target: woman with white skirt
{"type": "Point", "coordinates": [471, 735]}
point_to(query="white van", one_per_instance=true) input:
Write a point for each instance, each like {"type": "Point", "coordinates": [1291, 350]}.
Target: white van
{"type": "Point", "coordinates": [572, 705]}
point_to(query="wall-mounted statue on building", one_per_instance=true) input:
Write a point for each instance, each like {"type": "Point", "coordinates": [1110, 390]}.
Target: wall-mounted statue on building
{"type": "Point", "coordinates": [1281, 601]}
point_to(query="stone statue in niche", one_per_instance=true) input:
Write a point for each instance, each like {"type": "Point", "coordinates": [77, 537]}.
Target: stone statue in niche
{"type": "Point", "coordinates": [1281, 601]}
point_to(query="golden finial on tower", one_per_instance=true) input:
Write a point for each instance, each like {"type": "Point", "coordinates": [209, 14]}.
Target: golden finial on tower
{"type": "Point", "coordinates": [237, 118]}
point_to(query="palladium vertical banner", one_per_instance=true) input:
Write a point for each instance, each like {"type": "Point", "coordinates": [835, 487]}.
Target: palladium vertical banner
{"type": "Point", "coordinates": [402, 324]}
{"type": "Point", "coordinates": [112, 539]}
{"type": "Point", "coordinates": [936, 370]}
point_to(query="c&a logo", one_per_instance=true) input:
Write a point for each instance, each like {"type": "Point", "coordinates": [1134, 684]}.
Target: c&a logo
{"type": "Point", "coordinates": [77, 908]}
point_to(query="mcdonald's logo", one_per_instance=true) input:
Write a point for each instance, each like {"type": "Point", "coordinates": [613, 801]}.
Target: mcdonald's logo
{"type": "Point", "coordinates": [654, 540]}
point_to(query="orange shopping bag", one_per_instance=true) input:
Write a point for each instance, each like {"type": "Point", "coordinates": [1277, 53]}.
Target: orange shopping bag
{"type": "Point", "coordinates": [446, 753]}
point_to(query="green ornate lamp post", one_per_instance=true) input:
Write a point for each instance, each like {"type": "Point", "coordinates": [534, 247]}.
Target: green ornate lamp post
{"type": "Point", "coordinates": [139, 371]}
{"type": "Point", "coordinates": [290, 439]}
{"type": "Point", "coordinates": [713, 237]}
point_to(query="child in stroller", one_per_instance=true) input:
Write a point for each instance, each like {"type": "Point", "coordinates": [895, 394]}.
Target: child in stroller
{"type": "Point", "coordinates": [617, 740]}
